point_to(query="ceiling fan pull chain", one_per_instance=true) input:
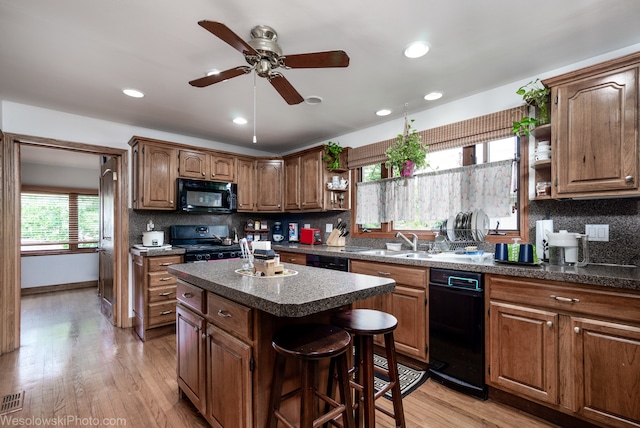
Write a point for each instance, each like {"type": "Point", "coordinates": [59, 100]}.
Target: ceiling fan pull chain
{"type": "Point", "coordinates": [255, 140]}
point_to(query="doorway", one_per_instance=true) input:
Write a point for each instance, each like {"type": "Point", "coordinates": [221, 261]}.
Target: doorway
{"type": "Point", "coordinates": [10, 280]}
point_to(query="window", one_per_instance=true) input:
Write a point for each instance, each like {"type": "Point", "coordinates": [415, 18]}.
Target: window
{"type": "Point", "coordinates": [59, 220]}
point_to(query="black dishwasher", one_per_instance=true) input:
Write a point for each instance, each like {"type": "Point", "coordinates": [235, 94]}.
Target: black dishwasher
{"type": "Point", "coordinates": [456, 330]}
{"type": "Point", "coordinates": [328, 262]}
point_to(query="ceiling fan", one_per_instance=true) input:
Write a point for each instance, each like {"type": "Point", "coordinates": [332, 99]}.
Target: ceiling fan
{"type": "Point", "coordinates": [264, 55]}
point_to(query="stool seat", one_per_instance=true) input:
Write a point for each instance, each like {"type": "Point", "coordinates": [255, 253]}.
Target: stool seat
{"type": "Point", "coordinates": [311, 343]}
{"type": "Point", "coordinates": [365, 321]}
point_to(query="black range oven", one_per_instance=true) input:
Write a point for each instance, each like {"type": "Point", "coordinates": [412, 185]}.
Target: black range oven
{"type": "Point", "coordinates": [203, 243]}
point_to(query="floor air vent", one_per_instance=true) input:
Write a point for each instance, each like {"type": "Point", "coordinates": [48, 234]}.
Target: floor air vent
{"type": "Point", "coordinates": [11, 403]}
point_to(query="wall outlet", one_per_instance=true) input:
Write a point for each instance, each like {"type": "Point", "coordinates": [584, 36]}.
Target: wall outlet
{"type": "Point", "coordinates": [597, 232]}
{"type": "Point", "coordinates": [307, 226]}
{"type": "Point", "coordinates": [329, 228]}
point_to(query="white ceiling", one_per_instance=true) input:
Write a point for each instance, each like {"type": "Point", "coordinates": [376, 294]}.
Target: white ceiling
{"type": "Point", "coordinates": [77, 55]}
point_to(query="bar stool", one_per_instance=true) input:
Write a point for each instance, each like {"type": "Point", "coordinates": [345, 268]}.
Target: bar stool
{"type": "Point", "coordinates": [363, 324]}
{"type": "Point", "coordinates": [311, 343]}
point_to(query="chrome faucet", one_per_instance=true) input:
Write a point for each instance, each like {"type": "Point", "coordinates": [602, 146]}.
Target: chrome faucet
{"type": "Point", "coordinates": [413, 242]}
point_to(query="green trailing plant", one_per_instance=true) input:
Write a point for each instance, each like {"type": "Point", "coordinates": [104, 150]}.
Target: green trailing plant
{"type": "Point", "coordinates": [407, 152]}
{"type": "Point", "coordinates": [332, 155]}
{"type": "Point", "coordinates": [537, 95]}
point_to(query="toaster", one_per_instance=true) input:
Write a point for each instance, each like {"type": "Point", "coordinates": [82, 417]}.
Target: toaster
{"type": "Point", "coordinates": [310, 236]}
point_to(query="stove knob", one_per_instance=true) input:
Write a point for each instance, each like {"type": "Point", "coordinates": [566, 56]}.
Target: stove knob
{"type": "Point", "coordinates": [207, 256]}
{"type": "Point", "coordinates": [198, 256]}
{"type": "Point", "coordinates": [232, 255]}
{"type": "Point", "coordinates": [220, 255]}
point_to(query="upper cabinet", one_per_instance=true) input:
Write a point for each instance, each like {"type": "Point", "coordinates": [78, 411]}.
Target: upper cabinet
{"type": "Point", "coordinates": [207, 166]}
{"type": "Point", "coordinates": [260, 185]}
{"type": "Point", "coordinates": [155, 167]}
{"type": "Point", "coordinates": [595, 132]}
{"type": "Point", "coordinates": [304, 181]}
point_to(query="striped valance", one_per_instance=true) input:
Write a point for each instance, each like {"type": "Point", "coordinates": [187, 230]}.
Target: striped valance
{"type": "Point", "coordinates": [460, 134]}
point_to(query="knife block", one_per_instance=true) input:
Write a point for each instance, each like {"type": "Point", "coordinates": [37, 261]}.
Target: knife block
{"type": "Point", "coordinates": [335, 240]}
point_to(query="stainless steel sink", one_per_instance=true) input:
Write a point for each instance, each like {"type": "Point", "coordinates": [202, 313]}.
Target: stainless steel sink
{"type": "Point", "coordinates": [388, 253]}
{"type": "Point", "coordinates": [418, 255]}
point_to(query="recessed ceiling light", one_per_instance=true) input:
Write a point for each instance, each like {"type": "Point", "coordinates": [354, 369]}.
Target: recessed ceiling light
{"type": "Point", "coordinates": [313, 99]}
{"type": "Point", "coordinates": [240, 121]}
{"type": "Point", "coordinates": [383, 112]}
{"type": "Point", "coordinates": [133, 93]}
{"type": "Point", "coordinates": [433, 96]}
{"type": "Point", "coordinates": [416, 49]}
{"type": "Point", "coordinates": [212, 72]}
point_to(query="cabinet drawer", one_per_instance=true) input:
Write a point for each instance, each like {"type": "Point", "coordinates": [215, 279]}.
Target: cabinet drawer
{"type": "Point", "coordinates": [229, 316]}
{"type": "Point", "coordinates": [162, 313]}
{"type": "Point", "coordinates": [159, 279]}
{"type": "Point", "coordinates": [299, 259]}
{"type": "Point", "coordinates": [191, 296]}
{"type": "Point", "coordinates": [161, 263]}
{"type": "Point", "coordinates": [416, 277]}
{"type": "Point", "coordinates": [569, 298]}
{"type": "Point", "coordinates": [162, 294]}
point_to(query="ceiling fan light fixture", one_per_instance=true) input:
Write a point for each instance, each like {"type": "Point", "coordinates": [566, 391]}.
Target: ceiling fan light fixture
{"type": "Point", "coordinates": [240, 121]}
{"type": "Point", "coordinates": [383, 112]}
{"type": "Point", "coordinates": [432, 96]}
{"type": "Point", "coordinates": [416, 49]}
{"type": "Point", "coordinates": [313, 100]}
{"type": "Point", "coordinates": [134, 93]}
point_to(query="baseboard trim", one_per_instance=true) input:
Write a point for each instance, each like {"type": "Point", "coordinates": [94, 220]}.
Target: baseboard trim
{"type": "Point", "coordinates": [58, 287]}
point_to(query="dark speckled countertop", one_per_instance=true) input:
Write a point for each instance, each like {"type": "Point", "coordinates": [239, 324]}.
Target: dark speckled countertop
{"type": "Point", "coordinates": [624, 277]}
{"type": "Point", "coordinates": [286, 296]}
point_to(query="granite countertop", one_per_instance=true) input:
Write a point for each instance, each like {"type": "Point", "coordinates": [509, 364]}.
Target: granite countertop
{"type": "Point", "coordinates": [153, 252]}
{"type": "Point", "coordinates": [286, 296]}
{"type": "Point", "coordinates": [614, 276]}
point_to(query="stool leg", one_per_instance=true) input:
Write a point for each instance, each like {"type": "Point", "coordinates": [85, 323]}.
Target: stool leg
{"type": "Point", "coordinates": [358, 363]}
{"type": "Point", "coordinates": [307, 414]}
{"type": "Point", "coordinates": [392, 362]}
{"type": "Point", "coordinates": [345, 390]}
{"type": "Point", "coordinates": [367, 382]}
{"type": "Point", "coordinates": [276, 389]}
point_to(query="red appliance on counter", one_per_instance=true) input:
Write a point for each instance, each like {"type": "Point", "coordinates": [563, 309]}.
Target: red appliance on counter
{"type": "Point", "coordinates": [310, 236]}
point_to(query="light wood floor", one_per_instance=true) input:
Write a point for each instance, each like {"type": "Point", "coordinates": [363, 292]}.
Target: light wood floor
{"type": "Point", "coordinates": [73, 365]}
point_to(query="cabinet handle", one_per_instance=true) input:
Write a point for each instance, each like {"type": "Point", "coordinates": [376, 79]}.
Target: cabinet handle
{"type": "Point", "coordinates": [384, 273]}
{"type": "Point", "coordinates": [203, 174]}
{"type": "Point", "coordinates": [212, 174]}
{"type": "Point", "coordinates": [629, 179]}
{"type": "Point", "coordinates": [204, 335]}
{"type": "Point", "coordinates": [166, 278]}
{"type": "Point", "coordinates": [196, 328]}
{"type": "Point", "coordinates": [576, 329]}
{"type": "Point", "coordinates": [565, 299]}
{"type": "Point", "coordinates": [223, 314]}
{"type": "Point", "coordinates": [165, 312]}
{"type": "Point", "coordinates": [187, 295]}
{"type": "Point", "coordinates": [165, 294]}
{"type": "Point", "coordinates": [166, 264]}
{"type": "Point", "coordinates": [549, 323]}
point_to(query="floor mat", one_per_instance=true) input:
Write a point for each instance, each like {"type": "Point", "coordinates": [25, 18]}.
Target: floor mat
{"type": "Point", "coordinates": [410, 379]}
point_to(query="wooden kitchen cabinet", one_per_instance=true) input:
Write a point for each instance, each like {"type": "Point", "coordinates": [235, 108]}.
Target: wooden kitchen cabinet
{"type": "Point", "coordinates": [408, 303]}
{"type": "Point", "coordinates": [595, 132]}
{"type": "Point", "coordinates": [155, 169]}
{"type": "Point", "coordinates": [260, 185]}
{"type": "Point", "coordinates": [207, 165]}
{"type": "Point", "coordinates": [154, 295]}
{"type": "Point", "coordinates": [215, 356]}
{"type": "Point", "coordinates": [246, 184]}
{"type": "Point", "coordinates": [304, 181]}
{"type": "Point", "coordinates": [571, 347]}
{"type": "Point", "coordinates": [295, 258]}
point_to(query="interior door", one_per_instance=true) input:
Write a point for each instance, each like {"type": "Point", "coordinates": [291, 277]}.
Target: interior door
{"type": "Point", "coordinates": [108, 177]}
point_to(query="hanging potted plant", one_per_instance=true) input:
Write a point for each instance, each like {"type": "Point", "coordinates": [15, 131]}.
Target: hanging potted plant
{"type": "Point", "coordinates": [332, 155]}
{"type": "Point", "coordinates": [536, 95]}
{"type": "Point", "coordinates": [407, 152]}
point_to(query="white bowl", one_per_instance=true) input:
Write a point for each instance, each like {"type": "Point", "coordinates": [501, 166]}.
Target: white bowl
{"type": "Point", "coordinates": [394, 246]}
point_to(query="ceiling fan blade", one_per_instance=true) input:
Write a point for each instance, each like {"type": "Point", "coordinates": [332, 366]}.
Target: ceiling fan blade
{"type": "Point", "coordinates": [224, 75]}
{"type": "Point", "coordinates": [285, 89]}
{"type": "Point", "coordinates": [224, 33]}
{"type": "Point", "coordinates": [317, 60]}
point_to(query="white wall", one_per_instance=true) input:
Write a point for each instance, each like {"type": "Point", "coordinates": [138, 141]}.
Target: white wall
{"type": "Point", "coordinates": [39, 271]}
{"type": "Point", "coordinates": [57, 176]}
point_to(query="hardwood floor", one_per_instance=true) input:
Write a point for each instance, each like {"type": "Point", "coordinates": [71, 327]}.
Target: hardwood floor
{"type": "Point", "coordinates": [75, 367]}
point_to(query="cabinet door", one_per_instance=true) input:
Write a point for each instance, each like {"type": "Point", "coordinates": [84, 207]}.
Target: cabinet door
{"type": "Point", "coordinates": [246, 185]}
{"type": "Point", "coordinates": [158, 177]}
{"type": "Point", "coordinates": [190, 356]}
{"type": "Point", "coordinates": [408, 305]}
{"type": "Point", "coordinates": [292, 184]}
{"type": "Point", "coordinates": [193, 164]}
{"type": "Point", "coordinates": [596, 133]}
{"type": "Point", "coordinates": [295, 258]}
{"type": "Point", "coordinates": [269, 174]}
{"type": "Point", "coordinates": [524, 351]}
{"type": "Point", "coordinates": [229, 384]}
{"type": "Point", "coordinates": [606, 358]}
{"type": "Point", "coordinates": [311, 182]}
{"type": "Point", "coordinates": [223, 167]}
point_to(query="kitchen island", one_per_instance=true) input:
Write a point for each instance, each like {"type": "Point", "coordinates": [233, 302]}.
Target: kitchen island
{"type": "Point", "coordinates": [225, 322]}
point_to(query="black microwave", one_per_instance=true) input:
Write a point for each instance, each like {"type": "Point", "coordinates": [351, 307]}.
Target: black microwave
{"type": "Point", "coordinates": [199, 196]}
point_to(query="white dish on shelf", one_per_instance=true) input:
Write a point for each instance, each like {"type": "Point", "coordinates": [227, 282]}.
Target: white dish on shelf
{"type": "Point", "coordinates": [451, 233]}
{"type": "Point", "coordinates": [473, 225]}
{"type": "Point", "coordinates": [482, 225]}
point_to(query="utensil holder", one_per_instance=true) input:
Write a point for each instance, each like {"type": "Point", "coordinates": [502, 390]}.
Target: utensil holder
{"type": "Point", "coordinates": [335, 240]}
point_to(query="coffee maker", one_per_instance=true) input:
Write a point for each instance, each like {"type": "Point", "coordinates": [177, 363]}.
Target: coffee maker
{"type": "Point", "coordinates": [278, 234]}
{"type": "Point", "coordinates": [563, 249]}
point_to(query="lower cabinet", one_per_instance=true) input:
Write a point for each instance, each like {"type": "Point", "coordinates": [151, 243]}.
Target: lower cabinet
{"type": "Point", "coordinates": [215, 356]}
{"type": "Point", "coordinates": [408, 303]}
{"type": "Point", "coordinates": [573, 348]}
{"type": "Point", "coordinates": [295, 258]}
